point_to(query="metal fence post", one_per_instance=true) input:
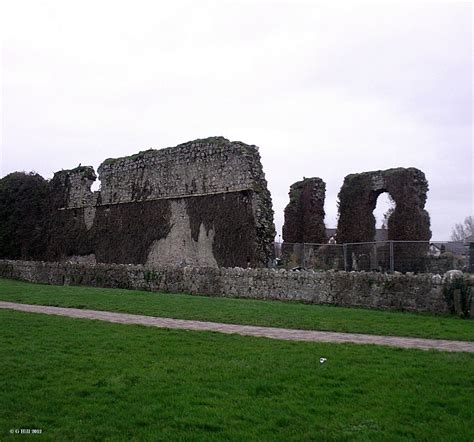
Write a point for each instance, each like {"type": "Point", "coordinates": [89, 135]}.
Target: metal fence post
{"type": "Point", "coordinates": [392, 262]}
{"type": "Point", "coordinates": [344, 249]}
{"type": "Point", "coordinates": [375, 264]}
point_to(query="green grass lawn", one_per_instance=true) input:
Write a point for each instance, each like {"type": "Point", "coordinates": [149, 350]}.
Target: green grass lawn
{"type": "Point", "coordinates": [88, 380]}
{"type": "Point", "coordinates": [241, 311]}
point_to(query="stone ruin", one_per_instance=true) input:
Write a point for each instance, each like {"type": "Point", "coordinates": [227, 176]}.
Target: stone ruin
{"type": "Point", "coordinates": [358, 198]}
{"type": "Point", "coordinates": [304, 215]}
{"type": "Point", "coordinates": [304, 221]}
{"type": "Point", "coordinates": [202, 203]}
{"type": "Point", "coordinates": [409, 220]}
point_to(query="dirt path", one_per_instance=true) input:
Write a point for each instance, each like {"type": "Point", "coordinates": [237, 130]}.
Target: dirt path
{"type": "Point", "coordinates": [246, 330]}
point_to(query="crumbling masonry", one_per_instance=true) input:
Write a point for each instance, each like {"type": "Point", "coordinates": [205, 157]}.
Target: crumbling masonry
{"type": "Point", "coordinates": [304, 221]}
{"type": "Point", "coordinates": [358, 198]}
{"type": "Point", "coordinates": [202, 203]}
{"type": "Point", "coordinates": [304, 215]}
{"type": "Point", "coordinates": [408, 222]}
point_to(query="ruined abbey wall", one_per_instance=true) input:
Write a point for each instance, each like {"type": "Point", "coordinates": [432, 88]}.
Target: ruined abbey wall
{"type": "Point", "coordinates": [409, 221]}
{"type": "Point", "coordinates": [202, 203]}
{"type": "Point", "coordinates": [200, 167]}
{"type": "Point", "coordinates": [358, 197]}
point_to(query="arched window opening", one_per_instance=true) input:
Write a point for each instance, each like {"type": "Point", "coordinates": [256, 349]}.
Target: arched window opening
{"type": "Point", "coordinates": [385, 206]}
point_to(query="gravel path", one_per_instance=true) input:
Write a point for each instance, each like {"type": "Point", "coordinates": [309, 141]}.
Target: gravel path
{"type": "Point", "coordinates": [246, 330]}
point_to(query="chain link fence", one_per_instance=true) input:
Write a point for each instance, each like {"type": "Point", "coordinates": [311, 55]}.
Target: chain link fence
{"type": "Point", "coordinates": [380, 256]}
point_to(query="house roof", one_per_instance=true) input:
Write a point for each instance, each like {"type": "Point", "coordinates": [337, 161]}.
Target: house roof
{"type": "Point", "coordinates": [380, 234]}
{"type": "Point", "coordinates": [454, 247]}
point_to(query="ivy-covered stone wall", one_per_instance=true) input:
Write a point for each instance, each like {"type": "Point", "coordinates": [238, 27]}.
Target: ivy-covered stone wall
{"type": "Point", "coordinates": [409, 221]}
{"type": "Point", "coordinates": [304, 214]}
{"type": "Point", "coordinates": [204, 202]}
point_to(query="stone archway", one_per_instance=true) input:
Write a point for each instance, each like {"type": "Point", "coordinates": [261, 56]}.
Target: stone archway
{"type": "Point", "coordinates": [408, 222]}
{"type": "Point", "coordinates": [358, 198]}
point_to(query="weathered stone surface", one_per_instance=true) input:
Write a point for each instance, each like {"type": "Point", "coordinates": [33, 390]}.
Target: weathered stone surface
{"type": "Point", "coordinates": [204, 202]}
{"type": "Point", "coordinates": [416, 293]}
{"type": "Point", "coordinates": [358, 198]}
{"type": "Point", "coordinates": [76, 185]}
{"type": "Point", "coordinates": [304, 215]}
{"type": "Point", "coordinates": [451, 275]}
{"type": "Point", "coordinates": [408, 222]}
{"type": "Point", "coordinates": [179, 246]}
{"type": "Point", "coordinates": [200, 167]}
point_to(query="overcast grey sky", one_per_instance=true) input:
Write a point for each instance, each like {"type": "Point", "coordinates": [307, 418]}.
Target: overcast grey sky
{"type": "Point", "coordinates": [323, 88]}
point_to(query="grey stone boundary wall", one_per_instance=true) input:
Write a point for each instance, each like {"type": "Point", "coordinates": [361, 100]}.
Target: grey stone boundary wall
{"type": "Point", "coordinates": [407, 292]}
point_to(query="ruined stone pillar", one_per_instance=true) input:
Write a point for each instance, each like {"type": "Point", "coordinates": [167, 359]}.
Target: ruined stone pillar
{"type": "Point", "coordinates": [304, 215]}
{"type": "Point", "coordinates": [304, 221]}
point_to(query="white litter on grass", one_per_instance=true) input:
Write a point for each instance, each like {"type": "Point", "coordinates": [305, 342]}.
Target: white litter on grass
{"type": "Point", "coordinates": [322, 360]}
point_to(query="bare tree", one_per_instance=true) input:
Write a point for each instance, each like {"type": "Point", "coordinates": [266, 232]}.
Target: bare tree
{"type": "Point", "coordinates": [462, 231]}
{"type": "Point", "coordinates": [389, 212]}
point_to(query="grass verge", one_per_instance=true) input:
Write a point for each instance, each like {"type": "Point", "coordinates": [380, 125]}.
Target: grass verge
{"type": "Point", "coordinates": [88, 380]}
{"type": "Point", "coordinates": [241, 311]}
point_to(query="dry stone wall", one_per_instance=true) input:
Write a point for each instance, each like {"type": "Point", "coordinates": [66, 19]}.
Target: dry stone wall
{"type": "Point", "coordinates": [415, 293]}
